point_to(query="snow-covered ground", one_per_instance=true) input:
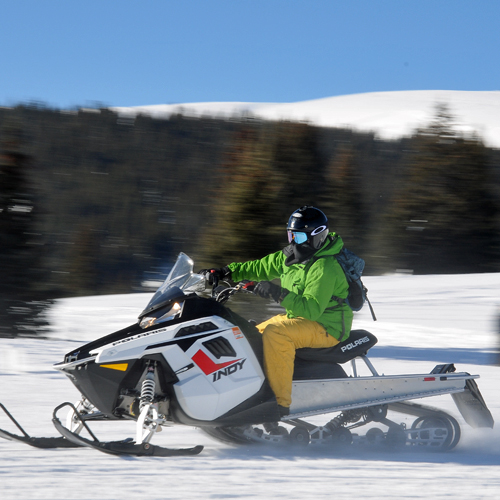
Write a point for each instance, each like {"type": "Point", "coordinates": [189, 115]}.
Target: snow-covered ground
{"type": "Point", "coordinates": [422, 321]}
{"type": "Point", "coordinates": [390, 115]}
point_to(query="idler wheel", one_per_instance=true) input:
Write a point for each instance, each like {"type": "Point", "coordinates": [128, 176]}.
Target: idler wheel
{"type": "Point", "coordinates": [375, 435]}
{"type": "Point", "coordinates": [395, 438]}
{"type": "Point", "coordinates": [299, 436]}
{"type": "Point", "coordinates": [342, 437]}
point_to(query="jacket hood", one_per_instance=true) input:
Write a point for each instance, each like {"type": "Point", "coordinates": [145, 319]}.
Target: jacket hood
{"type": "Point", "coordinates": [301, 254]}
{"type": "Point", "coordinates": [332, 246]}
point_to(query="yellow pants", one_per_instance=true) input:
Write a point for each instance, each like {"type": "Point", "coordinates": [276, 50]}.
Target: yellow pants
{"type": "Point", "coordinates": [280, 337]}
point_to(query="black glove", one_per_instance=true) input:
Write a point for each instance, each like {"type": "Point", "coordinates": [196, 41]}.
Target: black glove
{"type": "Point", "coordinates": [215, 272]}
{"type": "Point", "coordinates": [248, 286]}
{"type": "Point", "coordinates": [268, 290]}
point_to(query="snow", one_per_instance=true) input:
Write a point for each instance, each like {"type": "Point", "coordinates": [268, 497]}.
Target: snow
{"type": "Point", "coordinates": [391, 115]}
{"type": "Point", "coordinates": [422, 321]}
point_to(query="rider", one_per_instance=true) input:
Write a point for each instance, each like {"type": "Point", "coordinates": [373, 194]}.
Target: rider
{"type": "Point", "coordinates": [310, 287]}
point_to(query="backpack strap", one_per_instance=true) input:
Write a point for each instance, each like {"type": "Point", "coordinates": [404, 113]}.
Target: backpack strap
{"type": "Point", "coordinates": [332, 308]}
{"type": "Point", "coordinates": [370, 305]}
{"type": "Point", "coordinates": [342, 301]}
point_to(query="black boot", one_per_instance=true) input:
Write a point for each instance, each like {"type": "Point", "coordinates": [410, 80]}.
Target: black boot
{"type": "Point", "coordinates": [283, 411]}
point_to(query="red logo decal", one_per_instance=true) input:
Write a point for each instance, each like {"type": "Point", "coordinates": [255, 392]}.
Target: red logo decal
{"type": "Point", "coordinates": [207, 365]}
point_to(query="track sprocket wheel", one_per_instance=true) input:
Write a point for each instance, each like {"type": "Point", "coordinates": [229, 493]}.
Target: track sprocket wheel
{"type": "Point", "coordinates": [435, 432]}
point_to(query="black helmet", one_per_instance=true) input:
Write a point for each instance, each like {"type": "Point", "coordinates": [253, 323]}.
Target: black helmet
{"type": "Point", "coordinates": [308, 224]}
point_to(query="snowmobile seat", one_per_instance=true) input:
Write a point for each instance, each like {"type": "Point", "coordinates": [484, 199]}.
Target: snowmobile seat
{"type": "Point", "coordinates": [358, 343]}
{"type": "Point", "coordinates": [312, 363]}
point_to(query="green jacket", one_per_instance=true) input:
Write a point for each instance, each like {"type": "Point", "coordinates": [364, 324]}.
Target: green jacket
{"type": "Point", "coordinates": [311, 286]}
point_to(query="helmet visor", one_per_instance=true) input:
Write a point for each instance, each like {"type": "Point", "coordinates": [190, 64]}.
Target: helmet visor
{"type": "Point", "coordinates": [297, 236]}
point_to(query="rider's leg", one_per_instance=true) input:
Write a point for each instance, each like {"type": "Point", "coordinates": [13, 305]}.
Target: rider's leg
{"type": "Point", "coordinates": [281, 336]}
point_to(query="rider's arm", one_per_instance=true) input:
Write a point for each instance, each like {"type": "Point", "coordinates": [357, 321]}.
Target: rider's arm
{"type": "Point", "coordinates": [267, 268]}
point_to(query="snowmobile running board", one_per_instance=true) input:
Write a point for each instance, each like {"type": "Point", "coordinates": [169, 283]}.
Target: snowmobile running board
{"type": "Point", "coordinates": [359, 392]}
{"type": "Point", "coordinates": [124, 447]}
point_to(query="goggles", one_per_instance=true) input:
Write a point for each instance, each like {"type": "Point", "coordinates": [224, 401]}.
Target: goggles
{"type": "Point", "coordinates": [297, 236]}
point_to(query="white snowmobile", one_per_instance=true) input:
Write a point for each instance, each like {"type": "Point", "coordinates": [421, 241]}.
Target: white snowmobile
{"type": "Point", "coordinates": [189, 360]}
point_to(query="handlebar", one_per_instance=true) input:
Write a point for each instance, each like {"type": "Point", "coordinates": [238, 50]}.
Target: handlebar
{"type": "Point", "coordinates": [221, 294]}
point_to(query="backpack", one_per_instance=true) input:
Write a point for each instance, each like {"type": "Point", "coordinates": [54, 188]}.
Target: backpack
{"type": "Point", "coordinates": [353, 267]}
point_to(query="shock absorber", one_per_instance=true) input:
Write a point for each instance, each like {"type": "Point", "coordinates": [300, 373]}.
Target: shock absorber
{"type": "Point", "coordinates": [148, 388]}
{"type": "Point", "coordinates": [344, 418]}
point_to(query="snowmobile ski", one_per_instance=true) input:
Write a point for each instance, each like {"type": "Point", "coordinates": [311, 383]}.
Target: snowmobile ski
{"type": "Point", "coordinates": [36, 442]}
{"type": "Point", "coordinates": [124, 447]}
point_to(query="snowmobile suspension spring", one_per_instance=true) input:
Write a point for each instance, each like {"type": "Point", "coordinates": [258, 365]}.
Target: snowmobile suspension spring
{"type": "Point", "coordinates": [86, 404]}
{"type": "Point", "coordinates": [345, 418]}
{"type": "Point", "coordinates": [148, 388]}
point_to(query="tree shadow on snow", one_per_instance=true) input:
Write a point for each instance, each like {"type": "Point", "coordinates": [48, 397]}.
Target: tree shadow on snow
{"type": "Point", "coordinates": [441, 355]}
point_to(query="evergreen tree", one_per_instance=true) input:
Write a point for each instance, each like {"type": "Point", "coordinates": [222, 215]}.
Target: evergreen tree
{"type": "Point", "coordinates": [342, 198]}
{"type": "Point", "coordinates": [443, 218]}
{"type": "Point", "coordinates": [270, 172]}
{"type": "Point", "coordinates": [19, 256]}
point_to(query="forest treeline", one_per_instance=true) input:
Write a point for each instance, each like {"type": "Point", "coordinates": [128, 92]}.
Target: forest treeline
{"type": "Point", "coordinates": [92, 202]}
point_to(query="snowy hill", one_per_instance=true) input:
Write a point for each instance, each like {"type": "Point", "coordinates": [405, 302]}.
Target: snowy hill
{"type": "Point", "coordinates": [390, 114]}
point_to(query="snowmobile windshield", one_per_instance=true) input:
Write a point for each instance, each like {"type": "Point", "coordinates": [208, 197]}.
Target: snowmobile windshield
{"type": "Point", "coordinates": [180, 280]}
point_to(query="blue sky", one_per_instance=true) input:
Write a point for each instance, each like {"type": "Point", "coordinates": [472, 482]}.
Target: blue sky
{"type": "Point", "coordinates": [69, 53]}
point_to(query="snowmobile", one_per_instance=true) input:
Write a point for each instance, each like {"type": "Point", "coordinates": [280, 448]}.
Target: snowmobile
{"type": "Point", "coordinates": [190, 360]}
